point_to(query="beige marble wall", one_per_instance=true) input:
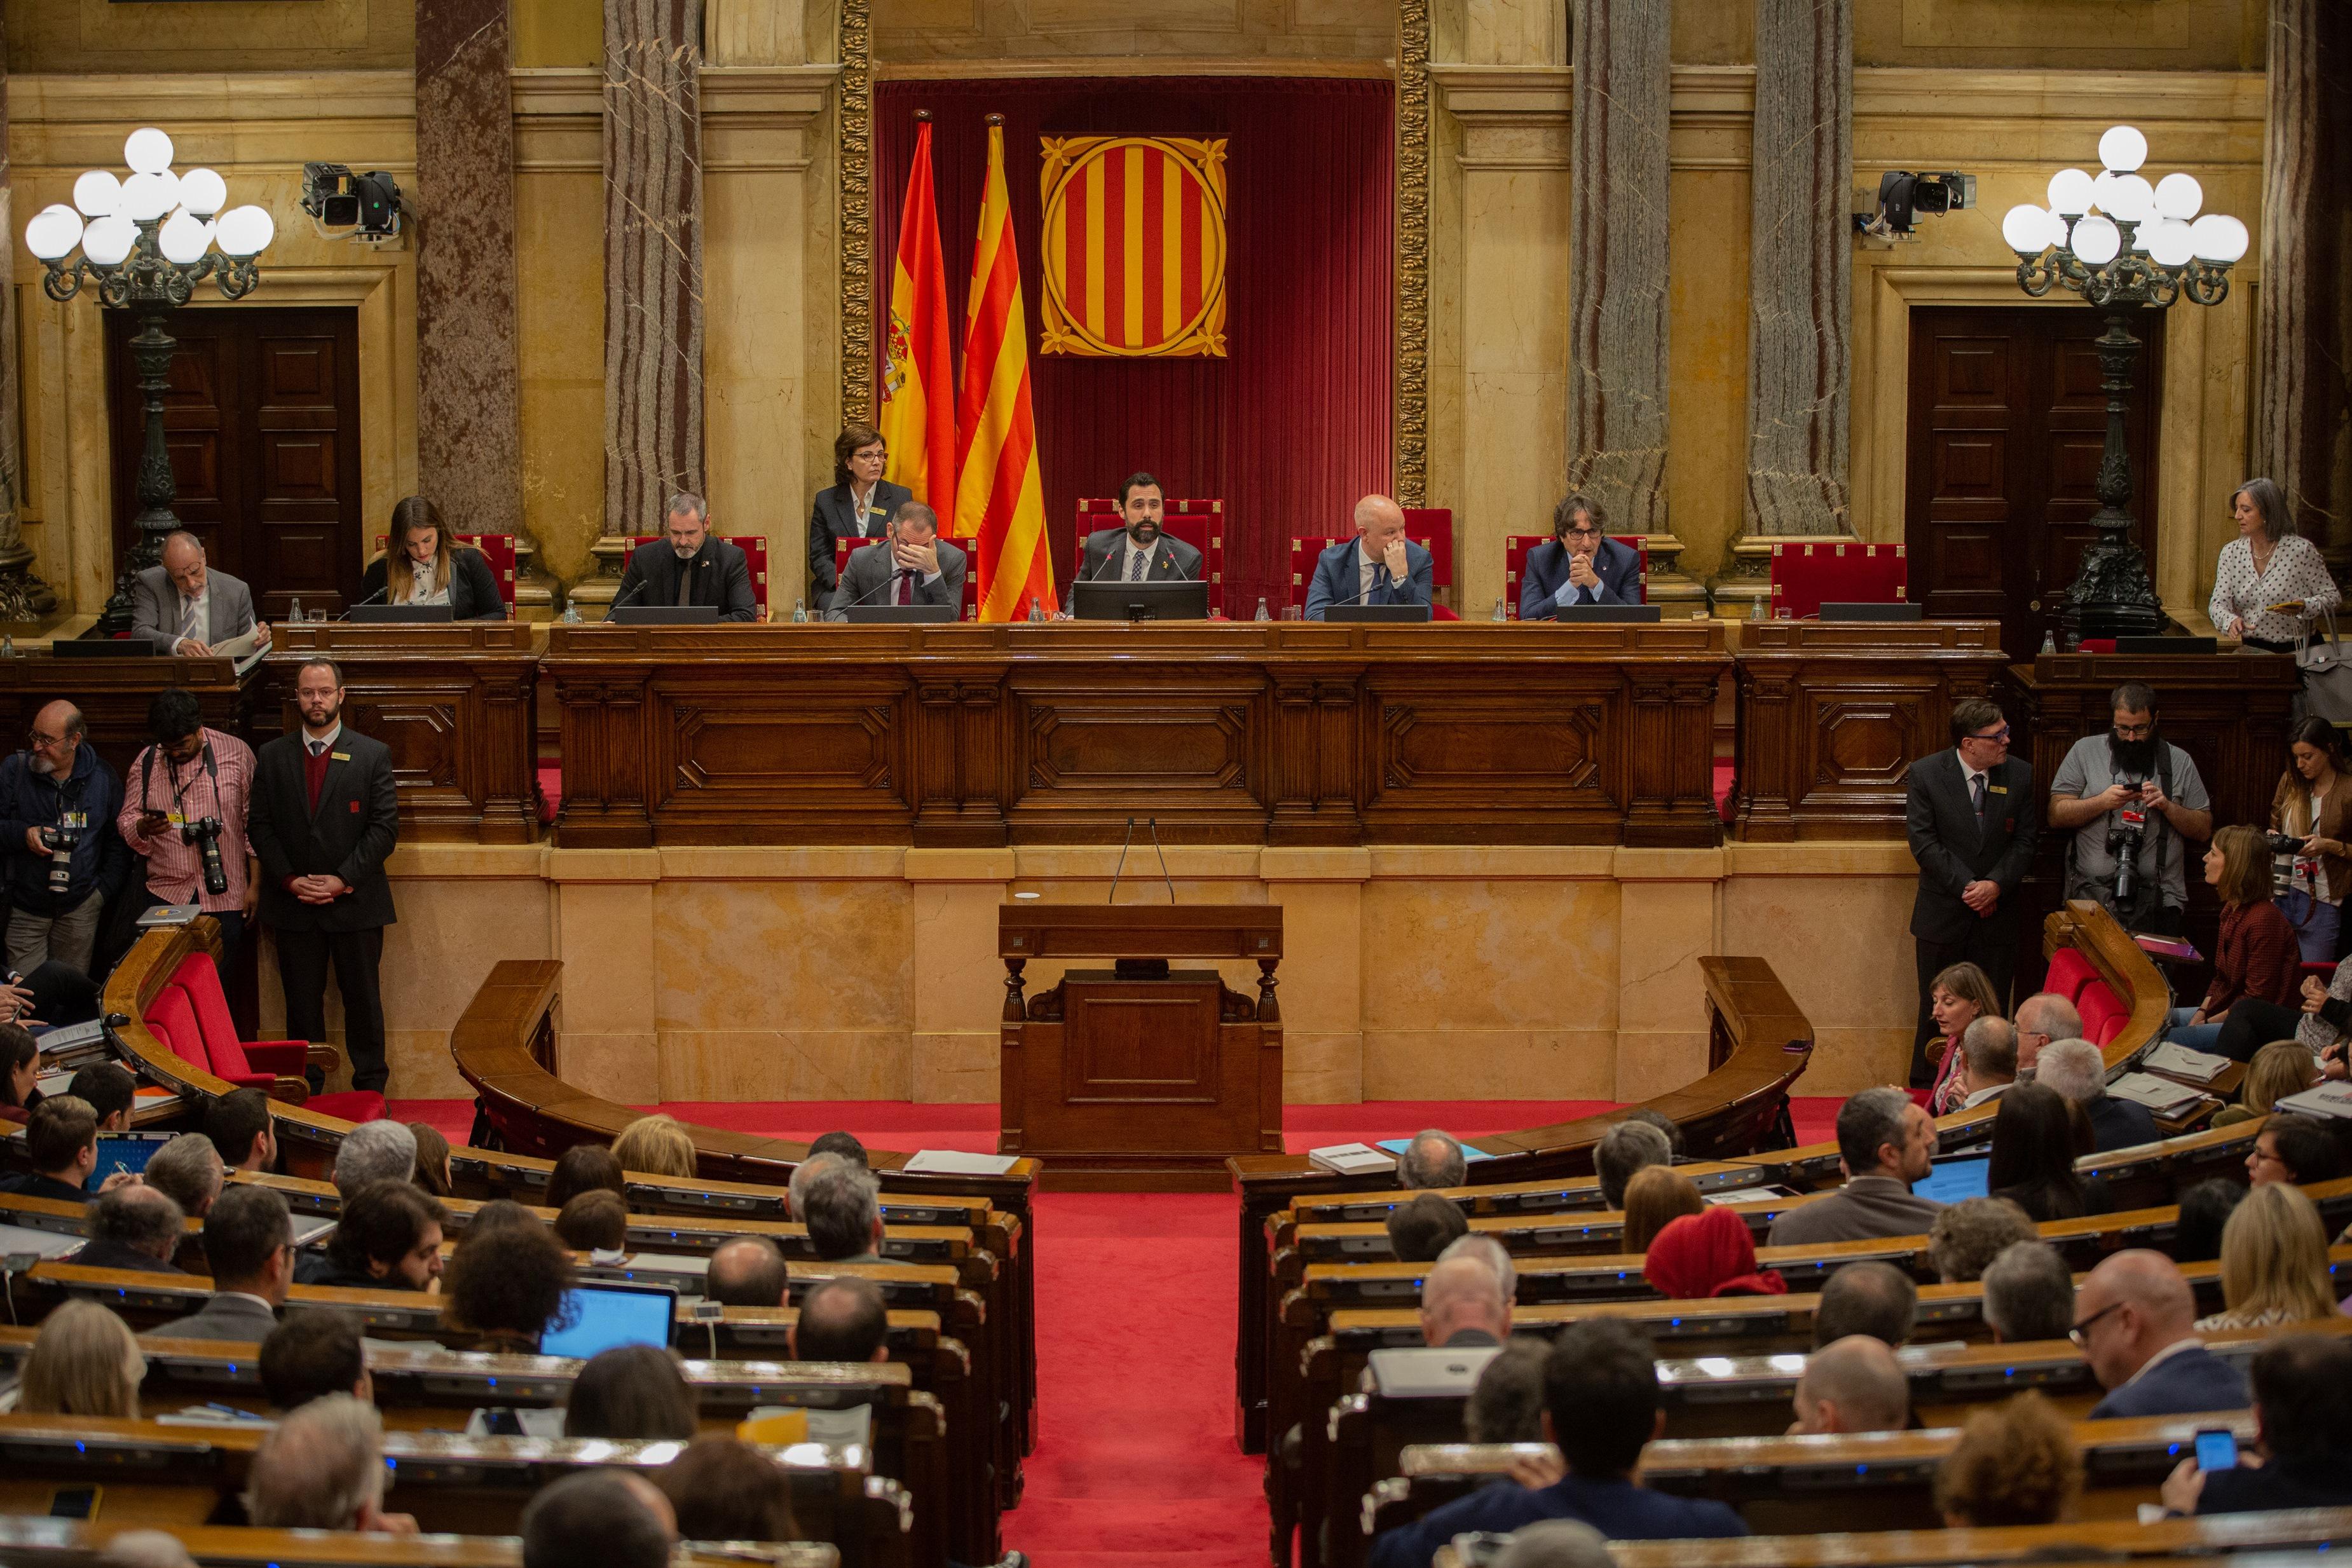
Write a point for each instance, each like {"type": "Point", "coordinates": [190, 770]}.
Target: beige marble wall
{"type": "Point", "coordinates": [89, 36]}
{"type": "Point", "coordinates": [1116, 34]}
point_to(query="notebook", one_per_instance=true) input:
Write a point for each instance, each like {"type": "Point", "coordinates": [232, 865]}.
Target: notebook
{"type": "Point", "coordinates": [1350, 1159]}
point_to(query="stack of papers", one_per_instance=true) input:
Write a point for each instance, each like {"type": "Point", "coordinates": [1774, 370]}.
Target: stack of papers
{"type": "Point", "coordinates": [955, 1162]}
{"type": "Point", "coordinates": [2198, 1066]}
{"type": "Point", "coordinates": [2327, 1100]}
{"type": "Point", "coordinates": [1351, 1159]}
{"type": "Point", "coordinates": [2162, 1098]}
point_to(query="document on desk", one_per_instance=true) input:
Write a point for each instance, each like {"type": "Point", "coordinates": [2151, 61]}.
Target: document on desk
{"type": "Point", "coordinates": [2198, 1066]}
{"type": "Point", "coordinates": [244, 652]}
{"type": "Point", "coordinates": [955, 1162]}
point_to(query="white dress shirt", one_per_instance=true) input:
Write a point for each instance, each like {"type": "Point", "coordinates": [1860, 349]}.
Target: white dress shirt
{"type": "Point", "coordinates": [201, 608]}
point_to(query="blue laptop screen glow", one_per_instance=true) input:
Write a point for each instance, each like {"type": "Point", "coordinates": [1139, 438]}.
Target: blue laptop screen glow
{"type": "Point", "coordinates": [122, 1155]}
{"type": "Point", "coordinates": [1952, 1180]}
{"type": "Point", "coordinates": [603, 1318]}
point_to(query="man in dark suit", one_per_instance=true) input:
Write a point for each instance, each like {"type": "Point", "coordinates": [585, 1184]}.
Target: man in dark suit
{"type": "Point", "coordinates": [912, 566]}
{"type": "Point", "coordinates": [1582, 565]}
{"type": "Point", "coordinates": [859, 506]}
{"type": "Point", "coordinates": [2135, 1321]}
{"type": "Point", "coordinates": [690, 565]}
{"type": "Point", "coordinates": [2077, 1070]}
{"type": "Point", "coordinates": [249, 1243]}
{"type": "Point", "coordinates": [1137, 550]}
{"type": "Point", "coordinates": [1379, 566]}
{"type": "Point", "coordinates": [1973, 819]}
{"type": "Point", "coordinates": [2303, 1413]}
{"type": "Point", "coordinates": [133, 1226]}
{"type": "Point", "coordinates": [323, 818]}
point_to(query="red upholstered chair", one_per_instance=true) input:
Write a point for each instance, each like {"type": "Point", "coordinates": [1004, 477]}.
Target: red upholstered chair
{"type": "Point", "coordinates": [966, 543]}
{"type": "Point", "coordinates": [1432, 529]}
{"type": "Point", "coordinates": [273, 1065]}
{"type": "Point", "coordinates": [1514, 565]}
{"type": "Point", "coordinates": [2069, 973]}
{"type": "Point", "coordinates": [1307, 549]}
{"type": "Point", "coordinates": [1836, 571]}
{"type": "Point", "coordinates": [172, 1019]}
{"type": "Point", "coordinates": [2102, 1012]}
{"type": "Point", "coordinates": [1201, 524]}
{"type": "Point", "coordinates": [497, 551]}
{"type": "Point", "coordinates": [755, 561]}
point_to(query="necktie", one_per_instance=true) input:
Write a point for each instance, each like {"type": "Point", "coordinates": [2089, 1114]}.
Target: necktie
{"type": "Point", "coordinates": [905, 587]}
{"type": "Point", "coordinates": [1976, 796]}
{"type": "Point", "coordinates": [1134, 558]}
{"type": "Point", "coordinates": [685, 581]}
{"type": "Point", "coordinates": [188, 629]}
{"type": "Point", "coordinates": [317, 747]}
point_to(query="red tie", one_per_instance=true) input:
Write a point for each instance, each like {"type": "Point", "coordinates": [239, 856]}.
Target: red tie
{"type": "Point", "coordinates": [906, 588]}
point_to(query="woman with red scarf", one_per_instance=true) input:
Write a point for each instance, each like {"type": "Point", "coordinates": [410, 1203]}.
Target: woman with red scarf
{"type": "Point", "coordinates": [1710, 1254]}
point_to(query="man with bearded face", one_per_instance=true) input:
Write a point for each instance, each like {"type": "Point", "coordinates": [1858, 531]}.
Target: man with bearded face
{"type": "Point", "coordinates": [1137, 550]}
{"type": "Point", "coordinates": [2131, 780]}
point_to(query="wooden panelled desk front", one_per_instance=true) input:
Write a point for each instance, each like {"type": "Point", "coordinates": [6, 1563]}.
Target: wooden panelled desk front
{"type": "Point", "coordinates": [1265, 732]}
{"type": "Point", "coordinates": [113, 694]}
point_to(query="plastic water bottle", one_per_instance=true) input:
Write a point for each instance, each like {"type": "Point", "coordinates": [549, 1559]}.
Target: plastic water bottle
{"type": "Point", "coordinates": [570, 611]}
{"type": "Point", "coordinates": [1036, 611]}
{"type": "Point", "coordinates": [1499, 610]}
{"type": "Point", "coordinates": [800, 611]}
{"type": "Point", "coordinates": [1262, 613]}
{"type": "Point", "coordinates": [2049, 643]}
{"type": "Point", "coordinates": [1755, 611]}
{"type": "Point", "coordinates": [294, 612]}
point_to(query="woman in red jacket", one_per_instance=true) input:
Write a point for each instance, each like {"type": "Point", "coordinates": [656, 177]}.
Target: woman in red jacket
{"type": "Point", "coordinates": [2257, 955]}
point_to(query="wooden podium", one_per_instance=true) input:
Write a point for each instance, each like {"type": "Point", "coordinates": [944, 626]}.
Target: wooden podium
{"type": "Point", "coordinates": [1120, 1081]}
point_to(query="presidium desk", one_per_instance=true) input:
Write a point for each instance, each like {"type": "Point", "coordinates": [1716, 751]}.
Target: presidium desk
{"type": "Point", "coordinates": [1225, 732]}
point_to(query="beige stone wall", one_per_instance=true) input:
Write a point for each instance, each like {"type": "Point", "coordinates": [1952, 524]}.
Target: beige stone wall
{"type": "Point", "coordinates": [1507, 974]}
{"type": "Point", "coordinates": [81, 37]}
{"type": "Point", "coordinates": [1113, 35]}
{"type": "Point", "coordinates": [2120, 35]}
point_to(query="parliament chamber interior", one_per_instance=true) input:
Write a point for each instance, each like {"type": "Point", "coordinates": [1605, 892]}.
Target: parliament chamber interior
{"type": "Point", "coordinates": [1242, 783]}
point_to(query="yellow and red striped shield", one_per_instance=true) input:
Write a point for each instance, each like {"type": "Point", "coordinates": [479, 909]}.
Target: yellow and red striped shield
{"type": "Point", "coordinates": [1134, 247]}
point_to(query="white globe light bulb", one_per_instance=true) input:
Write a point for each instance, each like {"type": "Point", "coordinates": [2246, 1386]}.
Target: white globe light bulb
{"type": "Point", "coordinates": [2217, 236]}
{"type": "Point", "coordinates": [2096, 240]}
{"type": "Point", "coordinates": [182, 238]}
{"type": "Point", "coordinates": [145, 198]}
{"type": "Point", "coordinates": [2123, 149]}
{"type": "Point", "coordinates": [246, 231]}
{"type": "Point", "coordinates": [203, 192]}
{"type": "Point", "coordinates": [2102, 190]}
{"type": "Point", "coordinates": [2069, 192]}
{"type": "Point", "coordinates": [2178, 196]}
{"type": "Point", "coordinates": [148, 151]}
{"type": "Point", "coordinates": [2168, 243]}
{"type": "Point", "coordinates": [98, 193]}
{"type": "Point", "coordinates": [2025, 229]}
{"type": "Point", "coordinates": [2131, 200]}
{"type": "Point", "coordinates": [53, 233]}
{"type": "Point", "coordinates": [106, 242]}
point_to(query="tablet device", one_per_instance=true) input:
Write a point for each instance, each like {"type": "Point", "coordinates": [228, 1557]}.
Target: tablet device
{"type": "Point", "coordinates": [124, 1152]}
{"type": "Point", "coordinates": [1951, 1180]}
{"type": "Point", "coordinates": [606, 1316]}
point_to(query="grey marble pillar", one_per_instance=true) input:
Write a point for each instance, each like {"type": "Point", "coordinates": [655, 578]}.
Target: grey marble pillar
{"type": "Point", "coordinates": [23, 596]}
{"type": "Point", "coordinates": [1801, 271]}
{"type": "Point", "coordinates": [2303, 431]}
{"type": "Point", "coordinates": [468, 398]}
{"type": "Point", "coordinates": [653, 258]}
{"type": "Point", "coordinates": [1617, 271]}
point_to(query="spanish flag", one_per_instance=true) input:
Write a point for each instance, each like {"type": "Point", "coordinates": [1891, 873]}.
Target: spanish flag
{"type": "Point", "coordinates": [999, 500]}
{"type": "Point", "coordinates": [917, 382]}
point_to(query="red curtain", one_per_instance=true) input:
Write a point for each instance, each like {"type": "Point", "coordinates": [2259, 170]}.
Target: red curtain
{"type": "Point", "coordinates": [1296, 422]}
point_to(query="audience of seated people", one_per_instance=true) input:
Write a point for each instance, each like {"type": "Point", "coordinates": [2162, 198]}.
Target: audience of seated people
{"type": "Point", "coordinates": [61, 1145]}
{"type": "Point", "coordinates": [505, 1287]}
{"type": "Point", "coordinates": [374, 1152]}
{"type": "Point", "coordinates": [133, 1226]}
{"type": "Point", "coordinates": [188, 1171]}
{"type": "Point", "coordinates": [1874, 1299]}
{"type": "Point", "coordinates": [2297, 1150]}
{"type": "Point", "coordinates": [1706, 1255]}
{"type": "Point", "coordinates": [1506, 1403]}
{"type": "Point", "coordinates": [249, 1245]}
{"type": "Point", "coordinates": [1969, 1235]}
{"type": "Point", "coordinates": [1629, 1147]}
{"type": "Point", "coordinates": [2256, 957]}
{"type": "Point", "coordinates": [84, 1363]}
{"type": "Point", "coordinates": [20, 1074]}
{"type": "Point", "coordinates": [1422, 1228]}
{"type": "Point", "coordinates": [2015, 1464]}
{"type": "Point", "coordinates": [1988, 1061]}
{"type": "Point", "coordinates": [1958, 996]}
{"type": "Point", "coordinates": [388, 1237]}
{"type": "Point", "coordinates": [723, 1489]}
{"type": "Point", "coordinates": [2029, 1294]}
{"type": "Point", "coordinates": [2035, 1142]}
{"type": "Point", "coordinates": [610, 1517]}
{"type": "Point", "coordinates": [842, 1319]}
{"type": "Point", "coordinates": [1555, 1544]}
{"type": "Point", "coordinates": [2282, 1068]}
{"type": "Point", "coordinates": [841, 1204]}
{"type": "Point", "coordinates": [432, 1161]}
{"type": "Point", "coordinates": [748, 1271]}
{"type": "Point", "coordinates": [2274, 1262]}
{"type": "Point", "coordinates": [1851, 1384]}
{"type": "Point", "coordinates": [1885, 1143]}
{"type": "Point", "coordinates": [322, 1469]}
{"type": "Point", "coordinates": [1463, 1302]}
{"type": "Point", "coordinates": [2135, 1320]}
{"type": "Point", "coordinates": [109, 1091]}
{"type": "Point", "coordinates": [2078, 1071]}
{"type": "Point", "coordinates": [632, 1393]}
{"type": "Point", "coordinates": [2302, 1454]}
{"type": "Point", "coordinates": [1656, 1198]}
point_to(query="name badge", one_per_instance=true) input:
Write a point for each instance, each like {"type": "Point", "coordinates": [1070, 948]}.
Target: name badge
{"type": "Point", "coordinates": [1997, 789]}
{"type": "Point", "coordinates": [177, 819]}
{"type": "Point", "coordinates": [341, 756]}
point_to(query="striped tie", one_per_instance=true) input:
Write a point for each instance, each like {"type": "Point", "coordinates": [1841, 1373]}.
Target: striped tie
{"type": "Point", "coordinates": [188, 628]}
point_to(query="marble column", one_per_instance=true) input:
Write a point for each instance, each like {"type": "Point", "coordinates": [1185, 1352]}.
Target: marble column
{"type": "Point", "coordinates": [653, 259]}
{"type": "Point", "coordinates": [1801, 270]}
{"type": "Point", "coordinates": [1617, 295]}
{"type": "Point", "coordinates": [469, 396]}
{"type": "Point", "coordinates": [23, 596]}
{"type": "Point", "coordinates": [2303, 431]}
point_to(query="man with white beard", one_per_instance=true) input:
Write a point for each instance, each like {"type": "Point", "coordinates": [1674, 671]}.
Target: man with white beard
{"type": "Point", "coordinates": [64, 857]}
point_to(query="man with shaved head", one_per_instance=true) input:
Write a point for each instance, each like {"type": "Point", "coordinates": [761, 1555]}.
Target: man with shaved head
{"type": "Point", "coordinates": [64, 857]}
{"type": "Point", "coordinates": [1463, 1304]}
{"type": "Point", "coordinates": [2042, 1018]}
{"type": "Point", "coordinates": [1379, 566]}
{"type": "Point", "coordinates": [2133, 1319]}
{"type": "Point", "coordinates": [1851, 1385]}
{"type": "Point", "coordinates": [184, 607]}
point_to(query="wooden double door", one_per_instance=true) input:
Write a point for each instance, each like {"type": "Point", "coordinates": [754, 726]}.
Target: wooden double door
{"type": "Point", "coordinates": [262, 421]}
{"type": "Point", "coordinates": [2007, 423]}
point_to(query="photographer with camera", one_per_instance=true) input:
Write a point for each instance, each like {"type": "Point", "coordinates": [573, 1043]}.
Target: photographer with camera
{"type": "Point", "coordinates": [184, 810]}
{"type": "Point", "coordinates": [2134, 803]}
{"type": "Point", "coordinates": [64, 859]}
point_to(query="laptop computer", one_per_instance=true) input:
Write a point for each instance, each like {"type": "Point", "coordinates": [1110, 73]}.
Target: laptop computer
{"type": "Point", "coordinates": [1116, 600]}
{"type": "Point", "coordinates": [1401, 612]}
{"type": "Point", "coordinates": [664, 615]}
{"type": "Point", "coordinates": [102, 648]}
{"type": "Point", "coordinates": [1949, 1181]}
{"type": "Point", "coordinates": [1410, 1372]}
{"type": "Point", "coordinates": [395, 614]}
{"type": "Point", "coordinates": [603, 1317]}
{"type": "Point", "coordinates": [897, 614]}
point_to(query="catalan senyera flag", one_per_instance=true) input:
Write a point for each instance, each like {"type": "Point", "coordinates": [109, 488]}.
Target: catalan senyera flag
{"type": "Point", "coordinates": [1133, 247]}
{"type": "Point", "coordinates": [919, 394]}
{"type": "Point", "coordinates": [999, 500]}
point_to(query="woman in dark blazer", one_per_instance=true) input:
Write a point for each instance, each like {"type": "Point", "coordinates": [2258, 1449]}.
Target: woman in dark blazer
{"type": "Point", "coordinates": [421, 565]}
{"type": "Point", "coordinates": [858, 506]}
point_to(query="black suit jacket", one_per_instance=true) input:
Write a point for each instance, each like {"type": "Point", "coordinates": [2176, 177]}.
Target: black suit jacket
{"type": "Point", "coordinates": [1951, 853]}
{"type": "Point", "coordinates": [721, 578]}
{"type": "Point", "coordinates": [473, 591]}
{"type": "Point", "coordinates": [832, 518]}
{"type": "Point", "coordinates": [353, 834]}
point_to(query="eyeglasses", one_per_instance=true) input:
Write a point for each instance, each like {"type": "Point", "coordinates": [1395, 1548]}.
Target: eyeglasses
{"type": "Point", "coordinates": [2081, 1332]}
{"type": "Point", "coordinates": [38, 742]}
{"type": "Point", "coordinates": [1582, 534]}
{"type": "Point", "coordinates": [2135, 731]}
{"type": "Point", "coordinates": [1999, 735]}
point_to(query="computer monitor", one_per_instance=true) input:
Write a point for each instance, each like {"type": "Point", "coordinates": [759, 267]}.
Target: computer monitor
{"type": "Point", "coordinates": [1407, 613]}
{"type": "Point", "coordinates": [606, 1316]}
{"type": "Point", "coordinates": [1117, 601]}
{"type": "Point", "coordinates": [392, 614]}
{"type": "Point", "coordinates": [1949, 1181]}
{"type": "Point", "coordinates": [664, 615]}
{"type": "Point", "coordinates": [2168, 647]}
{"type": "Point", "coordinates": [897, 614]}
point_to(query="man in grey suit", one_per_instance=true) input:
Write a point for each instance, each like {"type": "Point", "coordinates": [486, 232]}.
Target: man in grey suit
{"type": "Point", "coordinates": [1135, 550]}
{"type": "Point", "coordinates": [184, 607]}
{"type": "Point", "coordinates": [911, 565]}
{"type": "Point", "coordinates": [249, 1242]}
{"type": "Point", "coordinates": [1885, 1143]}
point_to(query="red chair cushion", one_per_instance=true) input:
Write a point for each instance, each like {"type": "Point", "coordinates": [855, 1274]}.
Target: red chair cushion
{"type": "Point", "coordinates": [2099, 1007]}
{"type": "Point", "coordinates": [2069, 973]}
{"type": "Point", "coordinates": [172, 1020]}
{"type": "Point", "coordinates": [352, 1105]}
{"type": "Point", "coordinates": [1838, 571]}
{"type": "Point", "coordinates": [2113, 1027]}
{"type": "Point", "coordinates": [241, 1061]}
{"type": "Point", "coordinates": [1432, 527]}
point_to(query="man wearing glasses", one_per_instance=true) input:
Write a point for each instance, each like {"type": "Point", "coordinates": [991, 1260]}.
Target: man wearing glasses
{"type": "Point", "coordinates": [1973, 820]}
{"type": "Point", "coordinates": [2131, 792]}
{"type": "Point", "coordinates": [64, 858]}
{"type": "Point", "coordinates": [1580, 566]}
{"type": "Point", "coordinates": [2135, 1324]}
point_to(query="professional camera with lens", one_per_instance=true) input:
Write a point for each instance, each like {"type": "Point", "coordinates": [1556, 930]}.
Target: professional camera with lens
{"type": "Point", "coordinates": [2284, 844]}
{"type": "Point", "coordinates": [205, 832]}
{"type": "Point", "coordinates": [60, 843]}
{"type": "Point", "coordinates": [2124, 841]}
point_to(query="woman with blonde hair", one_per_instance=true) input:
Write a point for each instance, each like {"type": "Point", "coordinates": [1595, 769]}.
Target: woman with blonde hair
{"type": "Point", "coordinates": [1655, 1198]}
{"type": "Point", "coordinates": [84, 1363]}
{"type": "Point", "coordinates": [656, 1145]}
{"type": "Point", "coordinates": [421, 564]}
{"type": "Point", "coordinates": [2014, 1464]}
{"type": "Point", "coordinates": [2274, 1262]}
{"type": "Point", "coordinates": [2256, 957]}
{"type": "Point", "coordinates": [2282, 1068]}
{"type": "Point", "coordinates": [1957, 998]}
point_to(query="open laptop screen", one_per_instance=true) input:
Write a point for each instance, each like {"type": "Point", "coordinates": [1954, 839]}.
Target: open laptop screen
{"type": "Point", "coordinates": [605, 1316]}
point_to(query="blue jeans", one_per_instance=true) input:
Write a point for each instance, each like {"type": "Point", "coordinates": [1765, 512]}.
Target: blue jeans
{"type": "Point", "coordinates": [2195, 1036]}
{"type": "Point", "coordinates": [2316, 925]}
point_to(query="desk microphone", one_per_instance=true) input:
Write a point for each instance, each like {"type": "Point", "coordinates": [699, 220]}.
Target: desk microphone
{"type": "Point", "coordinates": [364, 603]}
{"type": "Point", "coordinates": [1122, 861]}
{"type": "Point", "coordinates": [889, 581]}
{"type": "Point", "coordinates": [625, 595]}
{"type": "Point", "coordinates": [1163, 861]}
{"type": "Point", "coordinates": [1380, 579]}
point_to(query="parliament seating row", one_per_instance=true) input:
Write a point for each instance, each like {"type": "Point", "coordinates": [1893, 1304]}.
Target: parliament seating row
{"type": "Point", "coordinates": [36, 1542]}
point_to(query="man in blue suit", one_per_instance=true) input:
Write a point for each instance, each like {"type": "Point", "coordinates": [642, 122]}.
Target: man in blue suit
{"type": "Point", "coordinates": [1379, 566]}
{"type": "Point", "coordinates": [2135, 1321]}
{"type": "Point", "coordinates": [1580, 566]}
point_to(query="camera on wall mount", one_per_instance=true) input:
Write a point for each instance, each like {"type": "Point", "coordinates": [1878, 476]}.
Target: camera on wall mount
{"type": "Point", "coordinates": [341, 205]}
{"type": "Point", "coordinates": [1904, 197]}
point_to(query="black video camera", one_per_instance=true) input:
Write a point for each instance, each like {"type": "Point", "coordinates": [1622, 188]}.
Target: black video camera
{"type": "Point", "coordinates": [205, 832]}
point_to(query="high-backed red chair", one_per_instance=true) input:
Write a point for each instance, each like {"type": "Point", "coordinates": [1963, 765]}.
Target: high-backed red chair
{"type": "Point", "coordinates": [970, 548]}
{"type": "Point", "coordinates": [1306, 551]}
{"type": "Point", "coordinates": [172, 1019]}
{"type": "Point", "coordinates": [1201, 524]}
{"type": "Point", "coordinates": [2102, 1012]}
{"type": "Point", "coordinates": [498, 551]}
{"type": "Point", "coordinates": [275, 1066]}
{"type": "Point", "coordinates": [755, 561]}
{"type": "Point", "coordinates": [1432, 529]}
{"type": "Point", "coordinates": [2070, 972]}
{"type": "Point", "coordinates": [1514, 566]}
{"type": "Point", "coordinates": [1835, 572]}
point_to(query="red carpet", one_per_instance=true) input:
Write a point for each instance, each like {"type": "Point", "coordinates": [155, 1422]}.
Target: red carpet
{"type": "Point", "coordinates": [1135, 1465]}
